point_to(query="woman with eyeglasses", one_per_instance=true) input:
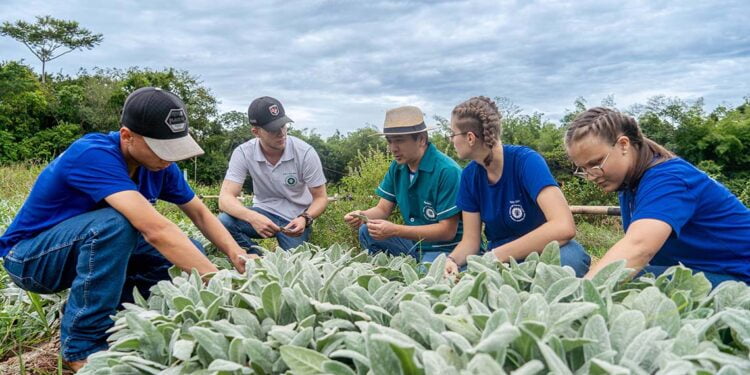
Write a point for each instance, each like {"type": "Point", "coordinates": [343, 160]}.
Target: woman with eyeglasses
{"type": "Point", "coordinates": [671, 211]}
{"type": "Point", "coordinates": [510, 190]}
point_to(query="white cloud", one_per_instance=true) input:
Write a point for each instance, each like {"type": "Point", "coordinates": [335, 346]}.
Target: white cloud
{"type": "Point", "coordinates": [341, 64]}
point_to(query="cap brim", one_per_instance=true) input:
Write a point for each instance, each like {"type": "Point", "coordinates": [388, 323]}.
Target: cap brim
{"type": "Point", "coordinates": [427, 129]}
{"type": "Point", "coordinates": [174, 149]}
{"type": "Point", "coordinates": [277, 124]}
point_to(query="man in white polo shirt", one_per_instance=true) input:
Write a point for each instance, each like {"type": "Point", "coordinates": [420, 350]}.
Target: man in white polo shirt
{"type": "Point", "coordinates": [289, 189]}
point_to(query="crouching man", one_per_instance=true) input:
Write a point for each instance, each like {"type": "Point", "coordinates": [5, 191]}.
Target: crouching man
{"type": "Point", "coordinates": [423, 183]}
{"type": "Point", "coordinates": [289, 187]}
{"type": "Point", "coordinates": [89, 222]}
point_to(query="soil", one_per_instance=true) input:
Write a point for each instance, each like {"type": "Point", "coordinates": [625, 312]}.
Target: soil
{"type": "Point", "coordinates": [41, 360]}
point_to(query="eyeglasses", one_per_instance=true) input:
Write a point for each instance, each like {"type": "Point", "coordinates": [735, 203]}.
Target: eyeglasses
{"type": "Point", "coordinates": [451, 135]}
{"type": "Point", "coordinates": [595, 171]}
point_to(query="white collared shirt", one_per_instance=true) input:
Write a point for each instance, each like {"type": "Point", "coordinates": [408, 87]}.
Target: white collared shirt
{"type": "Point", "coordinates": [284, 188]}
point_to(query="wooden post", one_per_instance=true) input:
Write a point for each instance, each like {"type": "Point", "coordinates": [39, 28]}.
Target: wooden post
{"type": "Point", "coordinates": [596, 210]}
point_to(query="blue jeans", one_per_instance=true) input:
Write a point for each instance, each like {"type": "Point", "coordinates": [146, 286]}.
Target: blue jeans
{"type": "Point", "coordinates": [714, 278]}
{"type": "Point", "coordinates": [100, 257]}
{"type": "Point", "coordinates": [396, 246]}
{"type": "Point", "coordinates": [243, 232]}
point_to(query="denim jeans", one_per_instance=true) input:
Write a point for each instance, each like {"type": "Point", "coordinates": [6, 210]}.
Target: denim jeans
{"type": "Point", "coordinates": [100, 257]}
{"type": "Point", "coordinates": [243, 232]}
{"type": "Point", "coordinates": [396, 246]}
{"type": "Point", "coordinates": [714, 278]}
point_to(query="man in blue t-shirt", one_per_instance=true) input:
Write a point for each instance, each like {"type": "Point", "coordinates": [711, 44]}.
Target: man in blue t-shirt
{"type": "Point", "coordinates": [89, 223]}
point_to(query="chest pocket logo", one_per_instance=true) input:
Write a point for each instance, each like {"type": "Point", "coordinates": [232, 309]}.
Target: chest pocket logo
{"type": "Point", "coordinates": [516, 212]}
{"type": "Point", "coordinates": [428, 211]}
{"type": "Point", "coordinates": [290, 180]}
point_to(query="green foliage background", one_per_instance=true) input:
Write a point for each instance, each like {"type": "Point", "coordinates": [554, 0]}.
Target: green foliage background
{"type": "Point", "coordinates": [38, 121]}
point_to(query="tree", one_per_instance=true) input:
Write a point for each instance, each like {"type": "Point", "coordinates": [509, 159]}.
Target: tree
{"type": "Point", "coordinates": [48, 35]}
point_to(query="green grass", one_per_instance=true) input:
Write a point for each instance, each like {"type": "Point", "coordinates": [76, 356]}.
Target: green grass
{"type": "Point", "coordinates": [27, 319]}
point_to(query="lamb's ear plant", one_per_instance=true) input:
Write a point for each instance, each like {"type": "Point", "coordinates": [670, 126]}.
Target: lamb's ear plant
{"type": "Point", "coordinates": [336, 311]}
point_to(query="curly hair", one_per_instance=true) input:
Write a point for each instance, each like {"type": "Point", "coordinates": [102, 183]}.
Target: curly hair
{"type": "Point", "coordinates": [609, 125]}
{"type": "Point", "coordinates": [480, 116]}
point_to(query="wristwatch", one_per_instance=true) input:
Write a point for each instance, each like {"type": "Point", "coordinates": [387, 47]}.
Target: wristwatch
{"type": "Point", "coordinates": [308, 219]}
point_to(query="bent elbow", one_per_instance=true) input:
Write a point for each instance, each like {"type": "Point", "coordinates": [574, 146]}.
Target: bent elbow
{"type": "Point", "coordinates": [568, 233]}
{"type": "Point", "coordinates": [157, 233]}
{"type": "Point", "coordinates": [222, 203]}
{"type": "Point", "coordinates": [449, 233]}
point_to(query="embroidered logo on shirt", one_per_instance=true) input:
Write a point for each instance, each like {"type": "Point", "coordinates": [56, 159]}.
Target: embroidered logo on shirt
{"type": "Point", "coordinates": [290, 180]}
{"type": "Point", "coordinates": [429, 212]}
{"type": "Point", "coordinates": [516, 211]}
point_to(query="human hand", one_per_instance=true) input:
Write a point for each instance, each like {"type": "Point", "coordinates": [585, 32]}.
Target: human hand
{"type": "Point", "coordinates": [382, 229]}
{"type": "Point", "coordinates": [295, 228]}
{"type": "Point", "coordinates": [451, 268]}
{"type": "Point", "coordinates": [355, 219]}
{"type": "Point", "coordinates": [264, 226]}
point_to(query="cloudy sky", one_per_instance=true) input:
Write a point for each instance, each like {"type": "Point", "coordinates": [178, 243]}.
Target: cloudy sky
{"type": "Point", "coordinates": [341, 64]}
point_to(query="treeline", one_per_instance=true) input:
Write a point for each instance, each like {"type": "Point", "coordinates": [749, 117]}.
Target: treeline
{"type": "Point", "coordinates": [38, 121]}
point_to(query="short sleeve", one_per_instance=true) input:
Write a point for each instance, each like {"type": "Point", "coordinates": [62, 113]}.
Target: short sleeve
{"type": "Point", "coordinates": [238, 168]}
{"type": "Point", "coordinates": [448, 186]}
{"type": "Point", "coordinates": [313, 169]}
{"type": "Point", "coordinates": [535, 174]}
{"type": "Point", "coordinates": [175, 189]}
{"type": "Point", "coordinates": [386, 189]}
{"type": "Point", "coordinates": [664, 197]}
{"type": "Point", "coordinates": [467, 199]}
{"type": "Point", "coordinates": [98, 173]}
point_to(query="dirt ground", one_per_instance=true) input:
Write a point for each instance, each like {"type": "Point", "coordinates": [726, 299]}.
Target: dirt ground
{"type": "Point", "coordinates": [41, 360]}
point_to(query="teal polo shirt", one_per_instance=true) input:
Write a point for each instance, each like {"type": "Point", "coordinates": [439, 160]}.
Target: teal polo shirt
{"type": "Point", "coordinates": [429, 197]}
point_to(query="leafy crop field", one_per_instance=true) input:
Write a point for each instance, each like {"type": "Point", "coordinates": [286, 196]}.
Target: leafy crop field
{"type": "Point", "coordinates": [338, 311]}
{"type": "Point", "coordinates": [328, 308]}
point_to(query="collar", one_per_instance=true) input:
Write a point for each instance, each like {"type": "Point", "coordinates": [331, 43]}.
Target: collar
{"type": "Point", "coordinates": [427, 164]}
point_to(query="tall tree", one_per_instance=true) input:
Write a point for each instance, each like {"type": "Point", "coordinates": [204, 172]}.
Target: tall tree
{"type": "Point", "coordinates": [50, 38]}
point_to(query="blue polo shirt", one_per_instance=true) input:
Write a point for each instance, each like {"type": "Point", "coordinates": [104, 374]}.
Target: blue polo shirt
{"type": "Point", "coordinates": [710, 226]}
{"type": "Point", "coordinates": [508, 208]}
{"type": "Point", "coordinates": [428, 196]}
{"type": "Point", "coordinates": [78, 180]}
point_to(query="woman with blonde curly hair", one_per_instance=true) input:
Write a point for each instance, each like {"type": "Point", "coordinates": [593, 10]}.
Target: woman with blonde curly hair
{"type": "Point", "coordinates": [672, 212]}
{"type": "Point", "coordinates": [511, 190]}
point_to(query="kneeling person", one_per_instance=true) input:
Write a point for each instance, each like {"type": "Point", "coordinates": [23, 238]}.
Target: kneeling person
{"type": "Point", "coordinates": [289, 188]}
{"type": "Point", "coordinates": [89, 223]}
{"type": "Point", "coordinates": [423, 182]}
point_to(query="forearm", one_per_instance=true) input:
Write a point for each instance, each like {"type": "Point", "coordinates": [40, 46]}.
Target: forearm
{"type": "Point", "coordinates": [317, 207]}
{"type": "Point", "coordinates": [636, 256]}
{"type": "Point", "coordinates": [174, 245]}
{"type": "Point", "coordinates": [534, 241]}
{"type": "Point", "coordinates": [233, 207]}
{"type": "Point", "coordinates": [463, 250]}
{"type": "Point", "coordinates": [376, 213]}
{"type": "Point", "coordinates": [215, 232]}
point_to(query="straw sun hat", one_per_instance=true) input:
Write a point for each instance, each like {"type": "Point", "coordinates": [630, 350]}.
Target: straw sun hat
{"type": "Point", "coordinates": [404, 120]}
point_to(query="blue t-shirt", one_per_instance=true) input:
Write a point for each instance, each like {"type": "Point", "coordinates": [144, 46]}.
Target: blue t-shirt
{"type": "Point", "coordinates": [710, 226]}
{"type": "Point", "coordinates": [508, 208]}
{"type": "Point", "coordinates": [78, 180]}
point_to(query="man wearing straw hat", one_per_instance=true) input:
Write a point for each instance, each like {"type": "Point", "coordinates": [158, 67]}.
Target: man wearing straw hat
{"type": "Point", "coordinates": [423, 183]}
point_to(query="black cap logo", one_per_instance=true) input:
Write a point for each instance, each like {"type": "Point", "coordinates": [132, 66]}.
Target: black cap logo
{"type": "Point", "coordinates": [176, 120]}
{"type": "Point", "coordinates": [274, 109]}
